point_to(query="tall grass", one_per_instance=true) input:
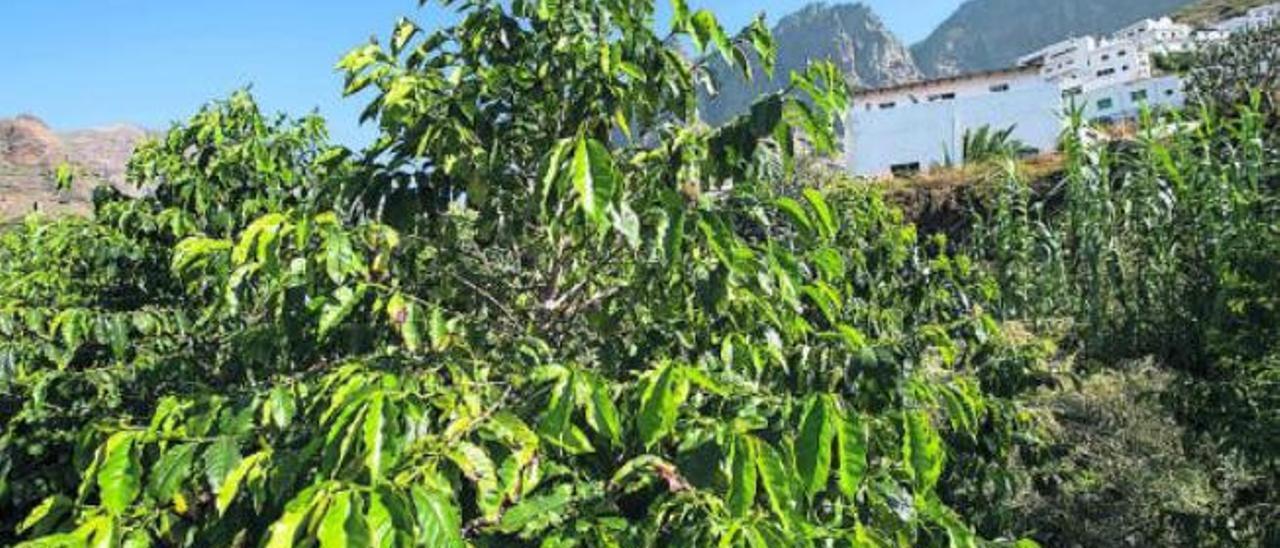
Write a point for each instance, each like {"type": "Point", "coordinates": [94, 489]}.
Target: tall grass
{"type": "Point", "coordinates": [1166, 245]}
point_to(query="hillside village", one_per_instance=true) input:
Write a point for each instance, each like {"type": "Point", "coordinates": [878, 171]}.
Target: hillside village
{"type": "Point", "coordinates": [913, 127]}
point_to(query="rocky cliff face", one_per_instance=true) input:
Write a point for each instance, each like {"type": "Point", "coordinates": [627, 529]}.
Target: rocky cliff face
{"type": "Point", "coordinates": [26, 142]}
{"type": "Point", "coordinates": [851, 35]}
{"type": "Point", "coordinates": [30, 152]}
{"type": "Point", "coordinates": [990, 34]}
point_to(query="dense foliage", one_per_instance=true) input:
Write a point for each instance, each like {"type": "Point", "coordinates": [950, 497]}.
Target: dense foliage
{"type": "Point", "coordinates": [1166, 246]}
{"type": "Point", "coordinates": [550, 307]}
{"type": "Point", "coordinates": [546, 307]}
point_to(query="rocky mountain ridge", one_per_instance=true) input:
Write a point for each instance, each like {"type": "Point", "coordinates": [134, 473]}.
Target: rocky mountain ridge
{"type": "Point", "coordinates": [850, 35]}
{"type": "Point", "coordinates": [31, 151]}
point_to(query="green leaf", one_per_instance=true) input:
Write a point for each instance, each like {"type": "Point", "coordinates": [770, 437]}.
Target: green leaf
{"type": "Point", "coordinates": [341, 526]}
{"type": "Point", "coordinates": [171, 471]}
{"type": "Point", "coordinates": [796, 213]}
{"type": "Point", "coordinates": [405, 31]}
{"type": "Point", "coordinates": [65, 177]}
{"type": "Point", "coordinates": [296, 514]}
{"type": "Point", "coordinates": [742, 480]}
{"type": "Point", "coordinates": [387, 519]}
{"type": "Point", "coordinates": [45, 516]}
{"type": "Point", "coordinates": [708, 32]}
{"type": "Point", "coordinates": [476, 465]}
{"type": "Point", "coordinates": [120, 478]}
{"type": "Point", "coordinates": [813, 447]}
{"type": "Point", "coordinates": [852, 439]}
{"type": "Point", "coordinates": [660, 404]}
{"type": "Point", "coordinates": [231, 485]}
{"type": "Point", "coordinates": [777, 481]}
{"type": "Point", "coordinates": [826, 219]}
{"type": "Point", "coordinates": [679, 14]}
{"type": "Point", "coordinates": [556, 419]}
{"type": "Point", "coordinates": [341, 305]}
{"type": "Point", "coordinates": [438, 330]}
{"type": "Point", "coordinates": [439, 520]}
{"type": "Point", "coordinates": [280, 407]}
{"type": "Point", "coordinates": [220, 458]}
{"type": "Point", "coordinates": [593, 178]}
{"type": "Point", "coordinates": [381, 435]}
{"type": "Point", "coordinates": [603, 415]}
{"type": "Point", "coordinates": [627, 223]}
{"type": "Point", "coordinates": [532, 515]}
{"type": "Point", "coordinates": [922, 450]}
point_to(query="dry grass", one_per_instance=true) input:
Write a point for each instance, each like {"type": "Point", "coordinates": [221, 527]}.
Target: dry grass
{"type": "Point", "coordinates": [938, 198]}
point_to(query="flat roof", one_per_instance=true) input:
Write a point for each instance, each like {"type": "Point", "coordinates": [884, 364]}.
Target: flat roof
{"type": "Point", "coordinates": [1011, 71]}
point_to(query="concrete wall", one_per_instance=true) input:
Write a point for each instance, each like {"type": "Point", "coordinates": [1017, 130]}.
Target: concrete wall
{"type": "Point", "coordinates": [924, 133]}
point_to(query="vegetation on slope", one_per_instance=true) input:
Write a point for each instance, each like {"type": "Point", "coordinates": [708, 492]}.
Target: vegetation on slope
{"type": "Point", "coordinates": [1207, 12]}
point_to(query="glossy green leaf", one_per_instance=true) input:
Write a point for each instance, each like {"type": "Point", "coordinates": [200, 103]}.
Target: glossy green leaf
{"type": "Point", "coordinates": [813, 446]}
{"type": "Point", "coordinates": [660, 404]}
{"type": "Point", "coordinates": [742, 477]}
{"type": "Point", "coordinates": [439, 521]}
{"type": "Point", "coordinates": [851, 436]}
{"type": "Point", "coordinates": [172, 470]}
{"type": "Point", "coordinates": [120, 478]}
{"type": "Point", "coordinates": [922, 450]}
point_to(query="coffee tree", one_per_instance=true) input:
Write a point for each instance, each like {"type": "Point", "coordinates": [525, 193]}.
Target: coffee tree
{"type": "Point", "coordinates": [548, 306]}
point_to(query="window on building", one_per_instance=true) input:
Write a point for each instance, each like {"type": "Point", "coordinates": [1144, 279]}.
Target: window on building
{"type": "Point", "coordinates": [1125, 68]}
{"type": "Point", "coordinates": [1105, 104]}
{"type": "Point", "coordinates": [906, 169]}
{"type": "Point", "coordinates": [941, 97]}
{"type": "Point", "coordinates": [889, 105]}
{"type": "Point", "coordinates": [1072, 92]}
{"type": "Point", "coordinates": [999, 88]}
{"type": "Point", "coordinates": [1106, 57]}
{"type": "Point", "coordinates": [1106, 72]}
{"type": "Point", "coordinates": [1168, 93]}
{"type": "Point", "coordinates": [1121, 54]}
{"type": "Point", "coordinates": [1138, 96]}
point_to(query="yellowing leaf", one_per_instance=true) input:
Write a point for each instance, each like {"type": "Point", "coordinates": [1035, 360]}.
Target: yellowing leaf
{"type": "Point", "coordinates": [231, 485]}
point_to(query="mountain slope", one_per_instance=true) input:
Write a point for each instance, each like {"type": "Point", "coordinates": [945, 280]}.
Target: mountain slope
{"type": "Point", "coordinates": [30, 152]}
{"type": "Point", "coordinates": [989, 34]}
{"type": "Point", "coordinates": [1204, 12]}
{"type": "Point", "coordinates": [851, 35]}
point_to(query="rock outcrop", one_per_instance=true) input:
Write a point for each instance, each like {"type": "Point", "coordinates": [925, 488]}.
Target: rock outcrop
{"type": "Point", "coordinates": [851, 35]}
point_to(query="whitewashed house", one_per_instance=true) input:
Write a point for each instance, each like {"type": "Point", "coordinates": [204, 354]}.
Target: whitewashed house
{"type": "Point", "coordinates": [1065, 62]}
{"type": "Point", "coordinates": [1256, 18]}
{"type": "Point", "coordinates": [1125, 100]}
{"type": "Point", "coordinates": [913, 127]}
{"type": "Point", "coordinates": [1161, 35]}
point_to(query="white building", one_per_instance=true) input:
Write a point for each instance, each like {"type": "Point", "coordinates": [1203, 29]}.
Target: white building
{"type": "Point", "coordinates": [1256, 18]}
{"type": "Point", "coordinates": [1125, 101]}
{"type": "Point", "coordinates": [1085, 64]}
{"type": "Point", "coordinates": [1157, 35]}
{"type": "Point", "coordinates": [913, 127]}
{"type": "Point", "coordinates": [1065, 62]}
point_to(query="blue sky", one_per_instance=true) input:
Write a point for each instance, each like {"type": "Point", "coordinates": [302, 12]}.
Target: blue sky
{"type": "Point", "coordinates": [85, 63]}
